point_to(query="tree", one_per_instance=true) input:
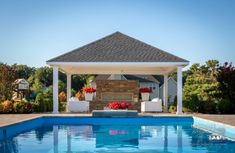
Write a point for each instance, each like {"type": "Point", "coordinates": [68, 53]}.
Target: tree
{"type": "Point", "coordinates": [37, 86]}
{"type": "Point", "coordinates": [184, 76]}
{"type": "Point", "coordinates": [44, 75]}
{"type": "Point", "coordinates": [23, 71]}
{"type": "Point", "coordinates": [7, 77]}
{"type": "Point", "coordinates": [61, 86]}
{"type": "Point", "coordinates": [226, 79]}
{"type": "Point", "coordinates": [78, 82]}
{"type": "Point", "coordinates": [201, 88]}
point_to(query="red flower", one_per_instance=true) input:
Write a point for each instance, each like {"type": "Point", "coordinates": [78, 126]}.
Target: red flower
{"type": "Point", "coordinates": [118, 105]}
{"type": "Point", "coordinates": [89, 90]}
{"type": "Point", "coordinates": [145, 90]}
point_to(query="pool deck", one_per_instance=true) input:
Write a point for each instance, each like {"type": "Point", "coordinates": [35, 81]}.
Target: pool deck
{"type": "Point", "coordinates": [9, 119]}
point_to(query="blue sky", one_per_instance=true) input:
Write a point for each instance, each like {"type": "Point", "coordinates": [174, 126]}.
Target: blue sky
{"type": "Point", "coordinates": [33, 31]}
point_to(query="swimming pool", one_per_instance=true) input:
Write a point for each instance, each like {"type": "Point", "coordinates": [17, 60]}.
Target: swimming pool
{"type": "Point", "coordinates": [114, 135]}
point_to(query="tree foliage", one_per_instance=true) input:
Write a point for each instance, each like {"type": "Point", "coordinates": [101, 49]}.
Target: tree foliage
{"type": "Point", "coordinates": [23, 71]}
{"type": "Point", "coordinates": [226, 79]}
{"type": "Point", "coordinates": [201, 87]}
{"type": "Point", "coordinates": [7, 77]}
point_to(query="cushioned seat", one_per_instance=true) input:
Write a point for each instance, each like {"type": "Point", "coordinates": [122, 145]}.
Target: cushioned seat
{"type": "Point", "coordinates": [152, 106]}
{"type": "Point", "coordinates": [78, 106]}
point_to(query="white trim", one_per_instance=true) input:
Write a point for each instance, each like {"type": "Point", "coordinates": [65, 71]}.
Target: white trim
{"type": "Point", "coordinates": [125, 64]}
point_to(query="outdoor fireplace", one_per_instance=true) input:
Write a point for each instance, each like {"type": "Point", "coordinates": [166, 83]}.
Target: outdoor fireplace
{"type": "Point", "coordinates": [117, 96]}
{"type": "Point", "coordinates": [117, 90]}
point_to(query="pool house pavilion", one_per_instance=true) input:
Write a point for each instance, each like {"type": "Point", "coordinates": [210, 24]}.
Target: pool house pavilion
{"type": "Point", "coordinates": [118, 54]}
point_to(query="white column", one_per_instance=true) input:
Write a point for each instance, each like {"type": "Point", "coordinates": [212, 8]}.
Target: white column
{"type": "Point", "coordinates": [165, 93]}
{"type": "Point", "coordinates": [68, 90]}
{"type": "Point", "coordinates": [68, 86]}
{"type": "Point", "coordinates": [55, 89]}
{"type": "Point", "coordinates": [179, 90]}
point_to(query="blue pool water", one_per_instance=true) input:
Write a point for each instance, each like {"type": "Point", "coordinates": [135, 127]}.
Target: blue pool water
{"type": "Point", "coordinates": [111, 135]}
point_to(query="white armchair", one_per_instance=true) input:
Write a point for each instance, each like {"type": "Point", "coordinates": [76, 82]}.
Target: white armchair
{"type": "Point", "coordinates": [152, 106]}
{"type": "Point", "coordinates": [78, 106]}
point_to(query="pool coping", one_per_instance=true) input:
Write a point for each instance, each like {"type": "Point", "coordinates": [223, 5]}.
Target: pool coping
{"type": "Point", "coordinates": [2, 125]}
{"type": "Point", "coordinates": [154, 115]}
{"type": "Point", "coordinates": [20, 121]}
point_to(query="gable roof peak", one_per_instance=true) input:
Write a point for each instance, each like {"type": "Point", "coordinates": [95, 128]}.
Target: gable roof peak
{"type": "Point", "coordinates": [117, 47]}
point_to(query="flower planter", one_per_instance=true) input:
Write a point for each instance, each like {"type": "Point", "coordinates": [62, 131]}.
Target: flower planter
{"type": "Point", "coordinates": [145, 96]}
{"type": "Point", "coordinates": [89, 96]}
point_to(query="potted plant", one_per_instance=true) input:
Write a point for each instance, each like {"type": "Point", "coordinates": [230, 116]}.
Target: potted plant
{"type": "Point", "coordinates": [145, 92]}
{"type": "Point", "coordinates": [89, 91]}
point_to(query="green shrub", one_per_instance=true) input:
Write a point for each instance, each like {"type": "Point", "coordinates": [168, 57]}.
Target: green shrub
{"type": "Point", "coordinates": [40, 102]}
{"type": "Point", "coordinates": [193, 104]}
{"type": "Point", "coordinates": [172, 109]}
{"type": "Point", "coordinates": [48, 100]}
{"type": "Point", "coordinates": [19, 106]}
{"type": "Point", "coordinates": [28, 108]}
{"type": "Point", "coordinates": [186, 110]}
{"type": "Point", "coordinates": [208, 107]}
{"type": "Point", "coordinates": [35, 107]}
{"type": "Point", "coordinates": [22, 107]}
{"type": "Point", "coordinates": [62, 106]}
{"type": "Point", "coordinates": [44, 102]}
{"type": "Point", "coordinates": [225, 107]}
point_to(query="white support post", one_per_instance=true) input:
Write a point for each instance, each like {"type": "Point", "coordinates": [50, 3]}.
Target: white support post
{"type": "Point", "coordinates": [55, 89]}
{"type": "Point", "coordinates": [68, 86]}
{"type": "Point", "coordinates": [165, 93]}
{"type": "Point", "coordinates": [68, 90]}
{"type": "Point", "coordinates": [179, 91]}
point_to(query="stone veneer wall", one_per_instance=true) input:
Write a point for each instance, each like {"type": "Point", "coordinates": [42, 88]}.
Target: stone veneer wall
{"type": "Point", "coordinates": [115, 86]}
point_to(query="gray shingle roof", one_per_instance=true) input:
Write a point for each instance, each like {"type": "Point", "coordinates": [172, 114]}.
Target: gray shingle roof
{"type": "Point", "coordinates": [117, 47]}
